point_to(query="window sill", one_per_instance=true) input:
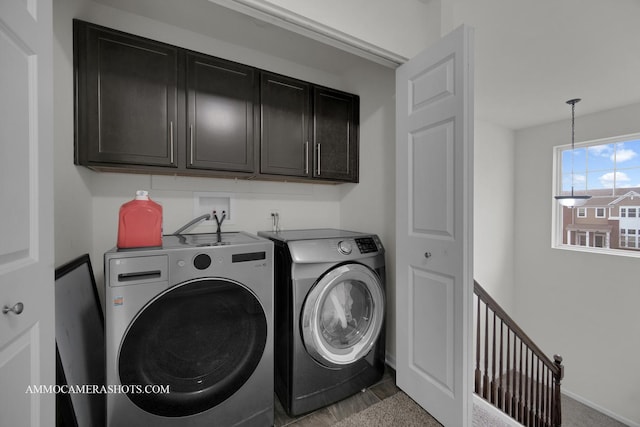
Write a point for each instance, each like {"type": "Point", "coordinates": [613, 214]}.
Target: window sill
{"type": "Point", "coordinates": [601, 251]}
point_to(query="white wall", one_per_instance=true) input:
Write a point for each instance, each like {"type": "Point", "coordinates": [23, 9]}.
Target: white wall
{"type": "Point", "coordinates": [494, 194]}
{"type": "Point", "coordinates": [580, 305]}
{"type": "Point", "coordinates": [369, 206]}
{"type": "Point", "coordinates": [381, 23]}
{"type": "Point", "coordinates": [72, 193]}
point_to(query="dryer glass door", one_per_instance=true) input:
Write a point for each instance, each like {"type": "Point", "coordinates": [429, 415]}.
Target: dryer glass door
{"type": "Point", "coordinates": [343, 315]}
{"type": "Point", "coordinates": [203, 338]}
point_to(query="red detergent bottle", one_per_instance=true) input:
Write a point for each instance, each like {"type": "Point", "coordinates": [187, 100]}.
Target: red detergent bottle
{"type": "Point", "coordinates": [140, 223]}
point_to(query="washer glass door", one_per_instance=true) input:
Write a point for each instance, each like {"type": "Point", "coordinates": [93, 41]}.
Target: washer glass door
{"type": "Point", "coordinates": [203, 338]}
{"type": "Point", "coordinates": [343, 315]}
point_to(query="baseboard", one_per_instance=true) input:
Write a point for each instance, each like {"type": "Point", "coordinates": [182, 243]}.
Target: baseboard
{"type": "Point", "coordinates": [599, 408]}
{"type": "Point", "coordinates": [390, 360]}
{"type": "Point", "coordinates": [487, 415]}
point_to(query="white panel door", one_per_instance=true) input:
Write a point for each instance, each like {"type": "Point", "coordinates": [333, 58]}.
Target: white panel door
{"type": "Point", "coordinates": [434, 227]}
{"type": "Point", "coordinates": [27, 349]}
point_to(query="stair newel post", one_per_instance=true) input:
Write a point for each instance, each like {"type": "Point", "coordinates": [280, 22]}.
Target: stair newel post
{"type": "Point", "coordinates": [557, 379]}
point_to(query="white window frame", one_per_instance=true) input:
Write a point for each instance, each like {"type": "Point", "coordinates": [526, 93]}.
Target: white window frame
{"type": "Point", "coordinates": [604, 212]}
{"type": "Point", "coordinates": [557, 231]}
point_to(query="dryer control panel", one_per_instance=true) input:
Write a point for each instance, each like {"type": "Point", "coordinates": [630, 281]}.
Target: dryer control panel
{"type": "Point", "coordinates": [335, 249]}
{"type": "Point", "coordinates": [366, 245]}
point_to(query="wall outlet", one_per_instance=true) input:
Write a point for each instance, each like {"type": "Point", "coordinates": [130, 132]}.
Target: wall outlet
{"type": "Point", "coordinates": [274, 218]}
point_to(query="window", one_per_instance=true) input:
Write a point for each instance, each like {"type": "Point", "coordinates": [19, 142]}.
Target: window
{"type": "Point", "coordinates": [632, 239]}
{"type": "Point", "coordinates": [609, 171]}
{"type": "Point", "coordinates": [582, 239]}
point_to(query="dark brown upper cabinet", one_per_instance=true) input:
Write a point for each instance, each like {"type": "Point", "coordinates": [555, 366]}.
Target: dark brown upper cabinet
{"type": "Point", "coordinates": [146, 106]}
{"type": "Point", "coordinates": [222, 113]}
{"type": "Point", "coordinates": [335, 135]}
{"type": "Point", "coordinates": [126, 100]}
{"type": "Point", "coordinates": [285, 126]}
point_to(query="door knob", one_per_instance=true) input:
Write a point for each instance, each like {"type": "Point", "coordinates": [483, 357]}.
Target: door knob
{"type": "Point", "coordinates": [427, 255]}
{"type": "Point", "coordinates": [17, 308]}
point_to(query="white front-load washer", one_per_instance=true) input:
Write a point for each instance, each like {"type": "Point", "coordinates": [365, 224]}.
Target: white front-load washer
{"type": "Point", "coordinates": [329, 315]}
{"type": "Point", "coordinates": [189, 332]}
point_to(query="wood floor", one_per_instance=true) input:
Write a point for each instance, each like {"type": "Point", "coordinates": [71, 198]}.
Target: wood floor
{"type": "Point", "coordinates": [332, 414]}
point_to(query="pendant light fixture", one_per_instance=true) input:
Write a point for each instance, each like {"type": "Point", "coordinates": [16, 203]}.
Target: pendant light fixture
{"type": "Point", "coordinates": [572, 200]}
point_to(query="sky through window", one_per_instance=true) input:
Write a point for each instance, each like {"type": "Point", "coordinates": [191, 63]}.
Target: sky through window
{"type": "Point", "coordinates": [611, 165]}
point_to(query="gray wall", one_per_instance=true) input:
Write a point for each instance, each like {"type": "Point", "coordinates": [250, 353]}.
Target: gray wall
{"type": "Point", "coordinates": [583, 306]}
{"type": "Point", "coordinates": [494, 219]}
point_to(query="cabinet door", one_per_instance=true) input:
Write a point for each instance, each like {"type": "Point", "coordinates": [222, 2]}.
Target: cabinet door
{"type": "Point", "coordinates": [127, 98]}
{"type": "Point", "coordinates": [285, 125]}
{"type": "Point", "coordinates": [335, 135]}
{"type": "Point", "coordinates": [222, 99]}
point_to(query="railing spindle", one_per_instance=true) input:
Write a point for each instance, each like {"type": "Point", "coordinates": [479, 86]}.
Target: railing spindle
{"type": "Point", "coordinates": [526, 388]}
{"type": "Point", "coordinates": [485, 376]}
{"type": "Point", "coordinates": [478, 371]}
{"type": "Point", "coordinates": [513, 388]}
{"type": "Point", "coordinates": [493, 361]}
{"type": "Point", "coordinates": [545, 397]}
{"type": "Point", "coordinates": [520, 401]}
{"type": "Point", "coordinates": [507, 396]}
{"type": "Point", "coordinates": [538, 390]}
{"type": "Point", "coordinates": [531, 402]}
{"type": "Point", "coordinates": [501, 373]}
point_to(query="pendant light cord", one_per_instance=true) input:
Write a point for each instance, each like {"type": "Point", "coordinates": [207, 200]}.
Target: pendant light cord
{"type": "Point", "coordinates": [573, 136]}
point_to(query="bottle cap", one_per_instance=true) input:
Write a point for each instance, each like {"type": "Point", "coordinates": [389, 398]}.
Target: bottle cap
{"type": "Point", "coordinates": [142, 195]}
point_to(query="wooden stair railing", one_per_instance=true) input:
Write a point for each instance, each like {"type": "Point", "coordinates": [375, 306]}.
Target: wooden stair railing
{"type": "Point", "coordinates": [511, 372]}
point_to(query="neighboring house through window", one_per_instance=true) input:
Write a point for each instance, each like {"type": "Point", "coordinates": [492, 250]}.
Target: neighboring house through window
{"type": "Point", "coordinates": [609, 171]}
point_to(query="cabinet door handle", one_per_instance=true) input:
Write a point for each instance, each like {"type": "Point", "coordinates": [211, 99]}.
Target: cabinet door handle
{"type": "Point", "coordinates": [306, 157]}
{"type": "Point", "coordinates": [191, 142]}
{"type": "Point", "coordinates": [171, 140]}
{"type": "Point", "coordinates": [319, 152]}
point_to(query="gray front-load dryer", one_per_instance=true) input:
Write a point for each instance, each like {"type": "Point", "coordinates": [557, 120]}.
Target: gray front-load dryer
{"type": "Point", "coordinates": [329, 315]}
{"type": "Point", "coordinates": [189, 332]}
